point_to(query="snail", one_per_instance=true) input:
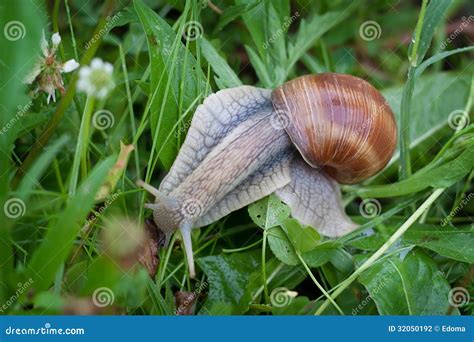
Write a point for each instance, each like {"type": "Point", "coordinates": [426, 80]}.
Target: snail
{"type": "Point", "coordinates": [298, 141]}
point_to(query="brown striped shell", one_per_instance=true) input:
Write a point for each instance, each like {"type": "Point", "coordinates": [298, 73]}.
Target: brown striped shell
{"type": "Point", "coordinates": [339, 123]}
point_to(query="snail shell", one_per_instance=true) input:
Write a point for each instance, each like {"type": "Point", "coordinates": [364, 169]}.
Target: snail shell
{"type": "Point", "coordinates": [339, 123]}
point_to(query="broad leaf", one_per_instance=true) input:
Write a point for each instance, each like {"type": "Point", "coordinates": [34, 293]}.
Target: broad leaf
{"type": "Point", "coordinates": [281, 246]}
{"type": "Point", "coordinates": [304, 239]}
{"type": "Point", "coordinates": [268, 212]}
{"type": "Point", "coordinates": [229, 277]}
{"type": "Point", "coordinates": [409, 286]}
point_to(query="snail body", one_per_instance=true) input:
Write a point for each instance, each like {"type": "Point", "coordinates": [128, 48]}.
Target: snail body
{"type": "Point", "coordinates": [245, 143]}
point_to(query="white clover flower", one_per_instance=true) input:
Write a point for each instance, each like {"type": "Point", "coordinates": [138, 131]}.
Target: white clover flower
{"type": "Point", "coordinates": [97, 79]}
{"type": "Point", "coordinates": [56, 39]}
{"type": "Point", "coordinates": [70, 65]}
{"type": "Point", "coordinates": [46, 73]}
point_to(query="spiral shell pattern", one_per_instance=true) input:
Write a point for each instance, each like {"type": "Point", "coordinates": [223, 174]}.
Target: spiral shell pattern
{"type": "Point", "coordinates": [339, 123]}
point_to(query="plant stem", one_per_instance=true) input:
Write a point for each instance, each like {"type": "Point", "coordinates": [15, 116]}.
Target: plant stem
{"type": "Point", "coordinates": [419, 25]}
{"type": "Point", "coordinates": [404, 130]}
{"type": "Point", "coordinates": [80, 156]}
{"type": "Point", "coordinates": [264, 270]}
{"type": "Point", "coordinates": [403, 228]}
{"type": "Point", "coordinates": [405, 107]}
{"type": "Point", "coordinates": [270, 278]}
{"type": "Point", "coordinates": [327, 295]}
{"type": "Point", "coordinates": [241, 249]}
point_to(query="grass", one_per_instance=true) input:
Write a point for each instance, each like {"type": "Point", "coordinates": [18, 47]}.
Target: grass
{"type": "Point", "coordinates": [413, 252]}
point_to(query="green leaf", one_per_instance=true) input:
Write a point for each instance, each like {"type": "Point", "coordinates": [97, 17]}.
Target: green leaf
{"type": "Point", "coordinates": [21, 24]}
{"type": "Point", "coordinates": [225, 76]}
{"type": "Point", "coordinates": [304, 239]}
{"type": "Point", "coordinates": [176, 81]}
{"type": "Point", "coordinates": [275, 43]}
{"type": "Point", "coordinates": [61, 233]}
{"type": "Point", "coordinates": [259, 67]}
{"type": "Point", "coordinates": [31, 178]}
{"type": "Point", "coordinates": [268, 212]}
{"type": "Point", "coordinates": [309, 32]}
{"type": "Point", "coordinates": [412, 286]}
{"type": "Point", "coordinates": [232, 13]}
{"type": "Point", "coordinates": [453, 243]}
{"type": "Point", "coordinates": [229, 277]}
{"type": "Point", "coordinates": [281, 246]}
{"type": "Point", "coordinates": [254, 20]}
{"type": "Point", "coordinates": [436, 58]}
{"type": "Point", "coordinates": [442, 176]}
{"type": "Point", "coordinates": [435, 96]}
{"type": "Point", "coordinates": [322, 253]}
{"type": "Point", "coordinates": [435, 13]}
